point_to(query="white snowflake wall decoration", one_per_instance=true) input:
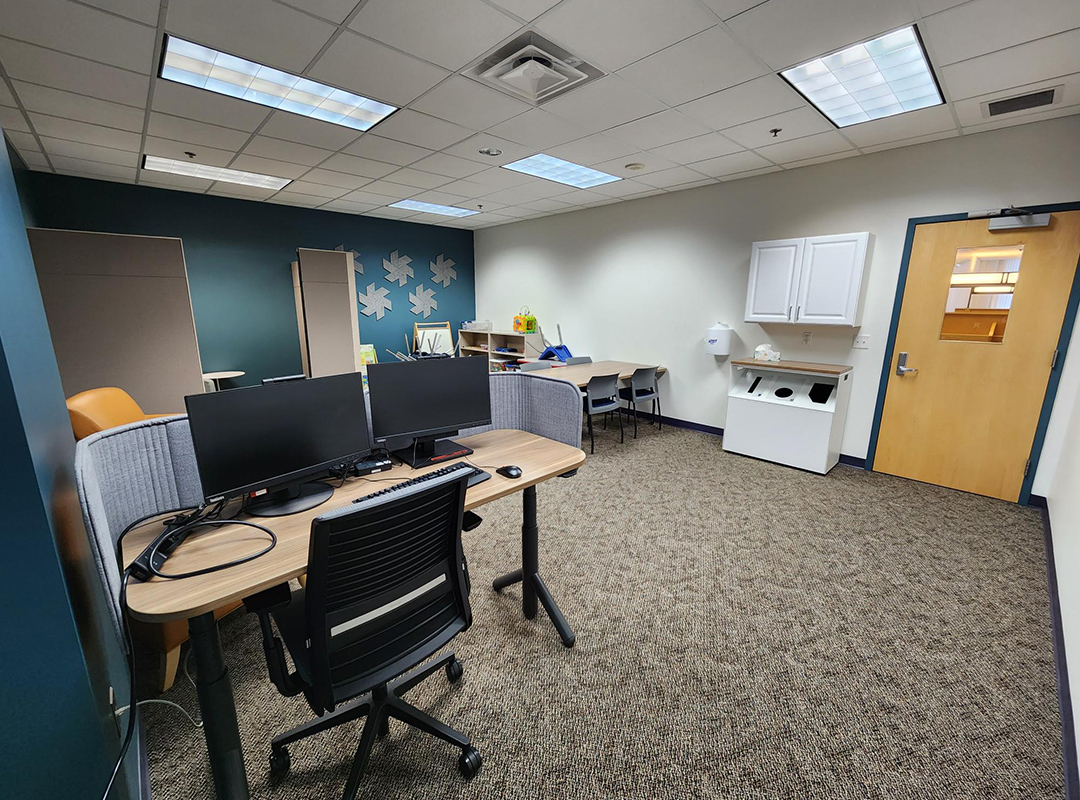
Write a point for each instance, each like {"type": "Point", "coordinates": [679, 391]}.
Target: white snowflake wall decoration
{"type": "Point", "coordinates": [375, 301]}
{"type": "Point", "coordinates": [397, 268]}
{"type": "Point", "coordinates": [356, 258]}
{"type": "Point", "coordinates": [423, 302]}
{"type": "Point", "coordinates": [443, 270]}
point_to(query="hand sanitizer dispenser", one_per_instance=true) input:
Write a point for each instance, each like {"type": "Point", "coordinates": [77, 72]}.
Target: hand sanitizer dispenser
{"type": "Point", "coordinates": [718, 340]}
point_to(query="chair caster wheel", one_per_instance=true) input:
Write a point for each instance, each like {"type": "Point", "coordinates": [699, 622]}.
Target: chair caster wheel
{"type": "Point", "coordinates": [470, 762]}
{"type": "Point", "coordinates": [279, 763]}
{"type": "Point", "coordinates": [454, 671]}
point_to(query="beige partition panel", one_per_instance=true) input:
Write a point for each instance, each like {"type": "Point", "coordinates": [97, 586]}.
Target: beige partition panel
{"type": "Point", "coordinates": [120, 314]}
{"type": "Point", "coordinates": [326, 314]}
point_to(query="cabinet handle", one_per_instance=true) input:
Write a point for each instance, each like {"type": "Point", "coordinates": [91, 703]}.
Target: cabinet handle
{"type": "Point", "coordinates": [789, 312]}
{"type": "Point", "coordinates": [798, 311]}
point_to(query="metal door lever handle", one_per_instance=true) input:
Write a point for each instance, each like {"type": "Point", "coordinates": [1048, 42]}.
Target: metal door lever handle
{"type": "Point", "coordinates": [901, 366]}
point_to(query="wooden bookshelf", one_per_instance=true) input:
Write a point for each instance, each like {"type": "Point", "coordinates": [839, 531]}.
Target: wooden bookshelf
{"type": "Point", "coordinates": [487, 343]}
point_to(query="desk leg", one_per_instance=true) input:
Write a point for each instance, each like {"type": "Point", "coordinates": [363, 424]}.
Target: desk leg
{"type": "Point", "coordinates": [533, 586]}
{"type": "Point", "coordinates": [218, 710]}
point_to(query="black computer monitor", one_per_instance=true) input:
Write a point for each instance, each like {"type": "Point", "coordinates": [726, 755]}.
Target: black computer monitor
{"type": "Point", "coordinates": [428, 399]}
{"type": "Point", "coordinates": [272, 439]}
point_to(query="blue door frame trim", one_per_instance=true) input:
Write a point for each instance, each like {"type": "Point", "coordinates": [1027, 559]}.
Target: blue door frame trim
{"type": "Point", "coordinates": [1055, 374]}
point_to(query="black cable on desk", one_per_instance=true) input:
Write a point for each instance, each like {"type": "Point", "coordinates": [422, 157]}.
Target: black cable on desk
{"type": "Point", "coordinates": [217, 567]}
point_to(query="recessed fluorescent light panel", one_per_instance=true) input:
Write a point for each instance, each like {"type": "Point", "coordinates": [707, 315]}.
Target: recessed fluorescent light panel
{"type": "Point", "coordinates": [555, 169]}
{"type": "Point", "coordinates": [209, 173]}
{"type": "Point", "coordinates": [204, 68]}
{"type": "Point", "coordinates": [432, 208]}
{"type": "Point", "coordinates": [883, 77]}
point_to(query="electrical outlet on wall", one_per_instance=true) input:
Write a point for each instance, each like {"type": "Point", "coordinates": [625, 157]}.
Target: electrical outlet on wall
{"type": "Point", "coordinates": [807, 337]}
{"type": "Point", "coordinates": [862, 342]}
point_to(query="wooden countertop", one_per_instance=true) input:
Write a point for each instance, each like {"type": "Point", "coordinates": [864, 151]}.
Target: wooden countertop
{"type": "Point", "coordinates": [793, 366]}
{"type": "Point", "coordinates": [579, 374]}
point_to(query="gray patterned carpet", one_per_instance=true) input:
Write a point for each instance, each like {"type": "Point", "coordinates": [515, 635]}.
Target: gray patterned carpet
{"type": "Point", "coordinates": [744, 631]}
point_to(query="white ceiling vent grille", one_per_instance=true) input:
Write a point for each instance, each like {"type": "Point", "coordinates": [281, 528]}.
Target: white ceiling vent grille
{"type": "Point", "coordinates": [533, 69]}
{"type": "Point", "coordinates": [1050, 96]}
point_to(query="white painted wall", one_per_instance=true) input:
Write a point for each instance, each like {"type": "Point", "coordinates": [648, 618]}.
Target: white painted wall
{"type": "Point", "coordinates": [642, 280]}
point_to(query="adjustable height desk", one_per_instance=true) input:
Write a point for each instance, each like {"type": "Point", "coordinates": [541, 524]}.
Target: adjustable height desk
{"type": "Point", "coordinates": [195, 599]}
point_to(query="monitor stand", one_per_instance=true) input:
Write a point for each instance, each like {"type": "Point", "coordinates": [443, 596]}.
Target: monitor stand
{"type": "Point", "coordinates": [427, 450]}
{"type": "Point", "coordinates": [291, 499]}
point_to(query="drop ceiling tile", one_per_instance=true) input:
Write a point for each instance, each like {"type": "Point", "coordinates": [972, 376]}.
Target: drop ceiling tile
{"type": "Point", "coordinates": [33, 158]}
{"type": "Point", "coordinates": [930, 137]}
{"type": "Point", "coordinates": [614, 33]}
{"type": "Point", "coordinates": [699, 148]}
{"type": "Point", "coordinates": [317, 189]}
{"type": "Point", "coordinates": [6, 97]}
{"type": "Point", "coordinates": [413, 127]}
{"type": "Point", "coordinates": [1015, 66]}
{"type": "Point", "coordinates": [498, 178]}
{"type": "Point", "coordinates": [61, 71]}
{"type": "Point", "coordinates": [515, 211]}
{"type": "Point", "coordinates": [366, 67]}
{"type": "Point", "coordinates": [78, 165]}
{"type": "Point", "coordinates": [902, 126]}
{"type": "Point", "coordinates": [580, 197]}
{"type": "Point", "coordinates": [289, 152]}
{"type": "Point", "coordinates": [819, 144]}
{"type": "Point", "coordinates": [470, 149]}
{"type": "Point", "coordinates": [809, 162]}
{"type": "Point", "coordinates": [983, 26]}
{"type": "Point", "coordinates": [670, 177]}
{"type": "Point", "coordinates": [369, 198]}
{"type": "Point", "coordinates": [145, 11]}
{"type": "Point", "coordinates": [703, 64]}
{"type": "Point", "coordinates": [467, 103]}
{"type": "Point", "coordinates": [526, 9]}
{"type": "Point", "coordinates": [625, 187]}
{"type": "Point", "coordinates": [439, 198]}
{"type": "Point", "coordinates": [396, 191]}
{"type": "Point", "coordinates": [476, 203]}
{"type": "Point", "coordinates": [788, 32]}
{"type": "Point", "coordinates": [169, 148]}
{"type": "Point", "coordinates": [547, 204]}
{"type": "Point", "coordinates": [450, 33]}
{"type": "Point", "coordinates": [80, 31]}
{"type": "Point", "coordinates": [203, 106]}
{"type": "Point", "coordinates": [23, 140]}
{"type": "Point", "coordinates": [527, 192]}
{"type": "Point", "coordinates": [355, 165]}
{"type": "Point", "coordinates": [533, 131]}
{"type": "Point", "coordinates": [83, 132]}
{"type": "Point", "coordinates": [345, 207]}
{"type": "Point", "coordinates": [169, 181]}
{"type": "Point", "coordinates": [466, 188]}
{"type": "Point", "coordinates": [682, 187]}
{"type": "Point", "coordinates": [1053, 113]}
{"type": "Point", "coordinates": [240, 191]}
{"type": "Point", "coordinates": [286, 198]}
{"type": "Point", "coordinates": [266, 166]}
{"type": "Point", "coordinates": [726, 9]}
{"type": "Point", "coordinates": [260, 30]}
{"type": "Point", "coordinates": [335, 11]}
{"type": "Point", "coordinates": [792, 124]}
{"type": "Point", "coordinates": [167, 126]}
{"type": "Point", "coordinates": [591, 150]}
{"type": "Point", "coordinates": [969, 110]}
{"type": "Point", "coordinates": [603, 104]}
{"type": "Point", "coordinates": [928, 7]}
{"type": "Point", "coordinates": [418, 178]}
{"type": "Point", "coordinates": [90, 152]}
{"type": "Point", "coordinates": [446, 164]}
{"type": "Point", "coordinates": [751, 173]}
{"type": "Point", "coordinates": [731, 164]}
{"type": "Point", "coordinates": [386, 150]}
{"type": "Point", "coordinates": [340, 179]}
{"type": "Point", "coordinates": [313, 132]}
{"type": "Point", "coordinates": [657, 130]}
{"type": "Point", "coordinates": [58, 103]}
{"type": "Point", "coordinates": [11, 119]}
{"type": "Point", "coordinates": [761, 97]}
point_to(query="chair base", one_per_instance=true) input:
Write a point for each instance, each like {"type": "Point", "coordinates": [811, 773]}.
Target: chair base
{"type": "Point", "coordinates": [378, 706]}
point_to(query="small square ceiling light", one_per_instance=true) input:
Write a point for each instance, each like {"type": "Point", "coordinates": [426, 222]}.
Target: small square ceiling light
{"type": "Point", "coordinates": [204, 68]}
{"type": "Point", "coordinates": [883, 77]}
{"type": "Point", "coordinates": [191, 169]}
{"type": "Point", "coordinates": [555, 169]}
{"type": "Point", "coordinates": [434, 208]}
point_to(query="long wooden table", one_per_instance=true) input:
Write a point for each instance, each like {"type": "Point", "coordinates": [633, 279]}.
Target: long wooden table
{"type": "Point", "coordinates": [195, 599]}
{"type": "Point", "coordinates": [580, 374]}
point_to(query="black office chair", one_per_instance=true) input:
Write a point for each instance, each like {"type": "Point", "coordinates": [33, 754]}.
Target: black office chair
{"type": "Point", "coordinates": [387, 586]}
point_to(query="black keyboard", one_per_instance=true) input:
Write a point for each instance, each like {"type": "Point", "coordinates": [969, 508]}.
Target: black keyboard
{"type": "Point", "coordinates": [476, 475]}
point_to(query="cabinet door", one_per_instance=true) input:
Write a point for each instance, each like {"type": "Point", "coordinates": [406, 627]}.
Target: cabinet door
{"type": "Point", "coordinates": [830, 279]}
{"type": "Point", "coordinates": [774, 276]}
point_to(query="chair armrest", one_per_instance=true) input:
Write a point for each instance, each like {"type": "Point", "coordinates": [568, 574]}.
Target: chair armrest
{"type": "Point", "coordinates": [288, 683]}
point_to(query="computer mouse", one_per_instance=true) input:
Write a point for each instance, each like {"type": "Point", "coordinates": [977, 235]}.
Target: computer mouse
{"type": "Point", "coordinates": [509, 471]}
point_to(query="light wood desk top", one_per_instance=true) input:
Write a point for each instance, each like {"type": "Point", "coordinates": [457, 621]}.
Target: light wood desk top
{"type": "Point", "coordinates": [793, 366]}
{"type": "Point", "coordinates": [579, 374]}
{"type": "Point", "coordinates": [159, 600]}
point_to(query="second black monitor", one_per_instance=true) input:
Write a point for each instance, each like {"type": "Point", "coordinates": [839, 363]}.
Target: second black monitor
{"type": "Point", "coordinates": [428, 399]}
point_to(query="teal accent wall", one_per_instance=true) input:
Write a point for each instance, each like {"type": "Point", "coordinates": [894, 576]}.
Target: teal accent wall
{"type": "Point", "coordinates": [58, 655]}
{"type": "Point", "coordinates": [238, 254]}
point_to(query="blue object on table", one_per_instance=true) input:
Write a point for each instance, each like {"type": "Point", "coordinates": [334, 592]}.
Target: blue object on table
{"type": "Point", "coordinates": [559, 351]}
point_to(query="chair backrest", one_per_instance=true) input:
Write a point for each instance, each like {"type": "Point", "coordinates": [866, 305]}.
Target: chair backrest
{"type": "Point", "coordinates": [599, 389]}
{"type": "Point", "coordinates": [386, 587]}
{"type": "Point", "coordinates": [536, 404]}
{"type": "Point", "coordinates": [530, 366]}
{"type": "Point", "coordinates": [578, 360]}
{"type": "Point", "coordinates": [125, 473]}
{"type": "Point", "coordinates": [100, 409]}
{"type": "Point", "coordinates": [643, 380]}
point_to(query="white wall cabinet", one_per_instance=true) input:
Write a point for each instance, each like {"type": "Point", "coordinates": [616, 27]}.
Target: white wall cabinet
{"type": "Point", "coordinates": [812, 281]}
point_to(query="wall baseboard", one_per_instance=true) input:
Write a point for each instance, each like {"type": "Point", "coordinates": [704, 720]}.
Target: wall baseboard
{"type": "Point", "coordinates": [1068, 722]}
{"type": "Point", "coordinates": [1037, 501]}
{"type": "Point", "coordinates": [853, 461]}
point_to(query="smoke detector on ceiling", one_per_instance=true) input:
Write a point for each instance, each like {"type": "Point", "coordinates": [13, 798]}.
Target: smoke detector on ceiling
{"type": "Point", "coordinates": [533, 69]}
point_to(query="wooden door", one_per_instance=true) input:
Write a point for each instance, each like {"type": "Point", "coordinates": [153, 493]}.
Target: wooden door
{"type": "Point", "coordinates": [966, 418]}
{"type": "Point", "coordinates": [830, 279]}
{"type": "Point", "coordinates": [774, 277]}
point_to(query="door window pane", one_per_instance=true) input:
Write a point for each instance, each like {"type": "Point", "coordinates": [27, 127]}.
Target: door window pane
{"type": "Point", "coordinates": [980, 293]}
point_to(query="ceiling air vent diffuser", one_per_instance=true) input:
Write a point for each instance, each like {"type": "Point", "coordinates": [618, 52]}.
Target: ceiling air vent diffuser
{"type": "Point", "coordinates": [1022, 102]}
{"type": "Point", "coordinates": [533, 69]}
